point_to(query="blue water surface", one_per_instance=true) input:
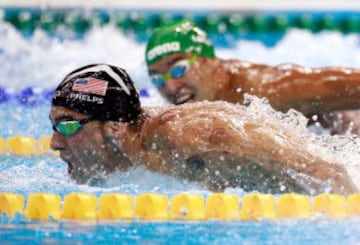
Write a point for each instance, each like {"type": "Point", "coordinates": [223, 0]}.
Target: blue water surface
{"type": "Point", "coordinates": [211, 232]}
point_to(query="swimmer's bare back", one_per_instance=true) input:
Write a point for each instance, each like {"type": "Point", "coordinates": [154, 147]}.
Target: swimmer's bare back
{"type": "Point", "coordinates": [190, 141]}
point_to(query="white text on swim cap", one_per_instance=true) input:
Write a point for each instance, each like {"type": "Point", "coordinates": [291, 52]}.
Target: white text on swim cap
{"type": "Point", "coordinates": [57, 94]}
{"type": "Point", "coordinates": [163, 49]}
{"type": "Point", "coordinates": [87, 98]}
{"type": "Point", "coordinates": [200, 39]}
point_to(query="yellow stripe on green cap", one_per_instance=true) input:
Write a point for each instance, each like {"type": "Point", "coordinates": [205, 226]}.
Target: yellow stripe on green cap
{"type": "Point", "coordinates": [180, 37]}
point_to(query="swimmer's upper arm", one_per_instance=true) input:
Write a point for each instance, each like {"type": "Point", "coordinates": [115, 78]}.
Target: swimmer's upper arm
{"type": "Point", "coordinates": [198, 136]}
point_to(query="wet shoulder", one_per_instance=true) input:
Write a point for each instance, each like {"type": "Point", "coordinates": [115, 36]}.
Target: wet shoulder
{"type": "Point", "coordinates": [211, 123]}
{"type": "Point", "coordinates": [191, 112]}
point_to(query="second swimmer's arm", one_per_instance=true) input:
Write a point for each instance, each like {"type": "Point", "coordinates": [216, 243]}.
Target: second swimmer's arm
{"type": "Point", "coordinates": [309, 91]}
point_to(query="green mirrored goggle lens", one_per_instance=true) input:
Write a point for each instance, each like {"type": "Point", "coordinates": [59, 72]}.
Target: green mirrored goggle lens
{"type": "Point", "coordinates": [68, 127]}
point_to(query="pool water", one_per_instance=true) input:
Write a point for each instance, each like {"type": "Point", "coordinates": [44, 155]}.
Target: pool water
{"type": "Point", "coordinates": [40, 62]}
{"type": "Point", "coordinates": [296, 232]}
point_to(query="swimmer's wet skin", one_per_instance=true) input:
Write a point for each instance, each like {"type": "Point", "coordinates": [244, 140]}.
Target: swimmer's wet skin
{"type": "Point", "coordinates": [287, 86]}
{"type": "Point", "coordinates": [216, 143]}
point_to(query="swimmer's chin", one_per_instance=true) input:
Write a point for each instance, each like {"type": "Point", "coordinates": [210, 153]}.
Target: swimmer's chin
{"type": "Point", "coordinates": [184, 95]}
{"type": "Point", "coordinates": [184, 98]}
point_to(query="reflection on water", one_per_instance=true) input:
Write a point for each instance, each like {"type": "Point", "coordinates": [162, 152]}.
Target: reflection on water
{"type": "Point", "coordinates": [322, 231]}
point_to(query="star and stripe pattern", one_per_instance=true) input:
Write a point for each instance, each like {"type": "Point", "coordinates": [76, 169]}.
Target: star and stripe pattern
{"type": "Point", "coordinates": [114, 74]}
{"type": "Point", "coordinates": [90, 85]}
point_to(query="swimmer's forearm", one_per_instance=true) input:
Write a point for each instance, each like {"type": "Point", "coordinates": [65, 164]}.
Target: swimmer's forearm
{"type": "Point", "coordinates": [316, 92]}
{"type": "Point", "coordinates": [288, 152]}
{"type": "Point", "coordinates": [334, 175]}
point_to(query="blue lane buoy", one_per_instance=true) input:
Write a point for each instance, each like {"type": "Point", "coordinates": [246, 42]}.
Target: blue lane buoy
{"type": "Point", "coordinates": [29, 96]}
{"type": "Point", "coordinates": [25, 95]}
{"type": "Point", "coordinates": [48, 94]}
{"type": "Point", "coordinates": [3, 96]}
{"type": "Point", "coordinates": [32, 96]}
{"type": "Point", "coordinates": [144, 92]}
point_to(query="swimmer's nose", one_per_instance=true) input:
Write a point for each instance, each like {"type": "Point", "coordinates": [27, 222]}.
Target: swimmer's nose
{"type": "Point", "coordinates": [173, 85]}
{"type": "Point", "coordinates": [172, 88]}
{"type": "Point", "coordinates": [57, 142]}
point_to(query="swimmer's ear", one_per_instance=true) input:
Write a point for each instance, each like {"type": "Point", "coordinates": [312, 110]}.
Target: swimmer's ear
{"type": "Point", "coordinates": [114, 129]}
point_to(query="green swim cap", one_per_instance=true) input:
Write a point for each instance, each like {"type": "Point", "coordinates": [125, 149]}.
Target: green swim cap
{"type": "Point", "coordinates": [180, 37]}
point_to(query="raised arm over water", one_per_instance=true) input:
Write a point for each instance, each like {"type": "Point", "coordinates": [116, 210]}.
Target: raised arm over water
{"type": "Point", "coordinates": [308, 90]}
{"type": "Point", "coordinates": [222, 145]}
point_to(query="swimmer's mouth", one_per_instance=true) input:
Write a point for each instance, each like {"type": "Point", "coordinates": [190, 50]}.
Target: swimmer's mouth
{"type": "Point", "coordinates": [70, 168]}
{"type": "Point", "coordinates": [84, 176]}
{"type": "Point", "coordinates": [183, 95]}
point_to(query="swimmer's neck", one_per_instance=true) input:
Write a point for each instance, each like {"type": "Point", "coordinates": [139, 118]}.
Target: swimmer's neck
{"type": "Point", "coordinates": [132, 137]}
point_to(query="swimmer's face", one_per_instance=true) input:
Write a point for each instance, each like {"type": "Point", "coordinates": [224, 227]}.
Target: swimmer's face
{"type": "Point", "coordinates": [90, 153]}
{"type": "Point", "coordinates": [183, 78]}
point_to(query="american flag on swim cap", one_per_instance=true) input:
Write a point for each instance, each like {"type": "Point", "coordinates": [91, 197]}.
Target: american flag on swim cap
{"type": "Point", "coordinates": [101, 91]}
{"type": "Point", "coordinates": [90, 85]}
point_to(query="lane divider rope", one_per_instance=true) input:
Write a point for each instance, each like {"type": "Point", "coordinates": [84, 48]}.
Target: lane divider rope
{"type": "Point", "coordinates": [183, 206]}
{"type": "Point", "coordinates": [78, 21]}
{"type": "Point", "coordinates": [26, 146]}
{"type": "Point", "coordinates": [35, 96]}
{"type": "Point", "coordinates": [152, 206]}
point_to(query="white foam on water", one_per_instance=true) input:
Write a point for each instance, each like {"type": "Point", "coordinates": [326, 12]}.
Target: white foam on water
{"type": "Point", "coordinates": [29, 175]}
{"type": "Point", "coordinates": [303, 48]}
{"type": "Point", "coordinates": [43, 61]}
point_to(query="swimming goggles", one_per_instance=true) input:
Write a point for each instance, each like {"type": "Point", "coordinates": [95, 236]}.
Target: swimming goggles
{"type": "Point", "coordinates": [178, 70]}
{"type": "Point", "coordinates": [70, 127]}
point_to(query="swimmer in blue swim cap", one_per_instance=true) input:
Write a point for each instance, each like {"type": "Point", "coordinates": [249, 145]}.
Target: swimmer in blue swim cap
{"type": "Point", "coordinates": [100, 127]}
{"type": "Point", "coordinates": [182, 65]}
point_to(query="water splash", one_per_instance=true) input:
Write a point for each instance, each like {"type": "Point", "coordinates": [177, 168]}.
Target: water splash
{"type": "Point", "coordinates": [303, 48]}
{"type": "Point", "coordinates": [341, 149]}
{"type": "Point", "coordinates": [43, 60]}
